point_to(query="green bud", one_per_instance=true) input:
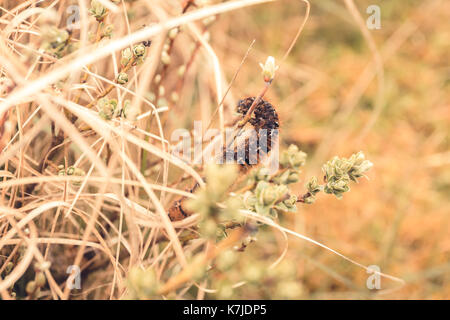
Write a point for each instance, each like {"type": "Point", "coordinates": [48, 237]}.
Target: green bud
{"type": "Point", "coordinates": [265, 194]}
{"type": "Point", "coordinates": [98, 10]}
{"type": "Point", "coordinates": [313, 186]}
{"type": "Point", "coordinates": [337, 187]}
{"type": "Point", "coordinates": [358, 158]}
{"type": "Point", "coordinates": [122, 78]}
{"type": "Point", "coordinates": [298, 159]}
{"type": "Point", "coordinates": [139, 50]}
{"type": "Point", "coordinates": [127, 55]}
{"type": "Point", "coordinates": [290, 203]}
{"type": "Point", "coordinates": [310, 199]}
{"type": "Point", "coordinates": [360, 166]}
{"type": "Point", "coordinates": [107, 32]}
{"type": "Point", "coordinates": [107, 108]}
{"type": "Point", "coordinates": [339, 171]}
{"type": "Point", "coordinates": [70, 171]}
{"type": "Point", "coordinates": [351, 168]}
{"type": "Point", "coordinates": [269, 68]}
{"type": "Point", "coordinates": [341, 186]}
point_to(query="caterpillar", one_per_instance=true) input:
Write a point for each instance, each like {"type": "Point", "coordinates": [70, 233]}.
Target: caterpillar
{"type": "Point", "coordinates": [265, 123]}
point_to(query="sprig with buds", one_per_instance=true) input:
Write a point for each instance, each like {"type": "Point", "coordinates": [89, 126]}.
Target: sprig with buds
{"type": "Point", "coordinates": [269, 195]}
{"type": "Point", "coordinates": [269, 199]}
{"type": "Point", "coordinates": [338, 172]}
{"type": "Point", "coordinates": [130, 58]}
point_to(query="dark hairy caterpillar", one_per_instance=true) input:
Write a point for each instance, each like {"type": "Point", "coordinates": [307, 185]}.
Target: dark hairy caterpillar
{"type": "Point", "coordinates": [264, 122]}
